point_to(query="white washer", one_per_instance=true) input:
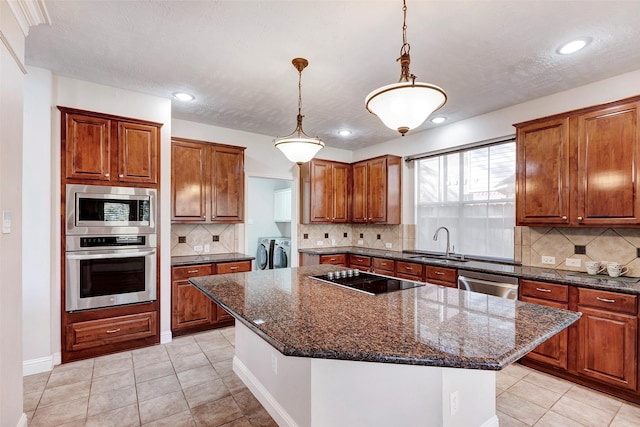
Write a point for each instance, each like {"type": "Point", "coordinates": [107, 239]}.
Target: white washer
{"type": "Point", "coordinates": [281, 252]}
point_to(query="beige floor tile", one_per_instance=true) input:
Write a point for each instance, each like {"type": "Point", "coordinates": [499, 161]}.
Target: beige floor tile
{"type": "Point", "coordinates": [36, 382]}
{"type": "Point", "coordinates": [147, 351]}
{"type": "Point", "coordinates": [247, 402]}
{"type": "Point", "coordinates": [113, 382]}
{"type": "Point", "coordinates": [86, 363]}
{"type": "Point", "coordinates": [197, 376]}
{"type": "Point", "coordinates": [221, 354]}
{"type": "Point", "coordinates": [112, 366]}
{"type": "Point", "coordinates": [547, 381]}
{"type": "Point", "coordinates": [214, 343]}
{"type": "Point", "coordinates": [517, 370]}
{"type": "Point", "coordinates": [508, 421]}
{"type": "Point", "coordinates": [31, 400]}
{"type": "Point", "coordinates": [148, 359]}
{"type": "Point", "coordinates": [77, 423]}
{"type": "Point", "coordinates": [234, 383]}
{"type": "Point", "coordinates": [518, 408]}
{"type": "Point", "coordinates": [551, 419]}
{"type": "Point", "coordinates": [261, 418]}
{"type": "Point", "coordinates": [213, 334]}
{"type": "Point", "coordinates": [183, 346]}
{"type": "Point", "coordinates": [66, 375]}
{"type": "Point", "coordinates": [111, 357]}
{"type": "Point", "coordinates": [240, 422]}
{"type": "Point", "coordinates": [112, 399]}
{"type": "Point", "coordinates": [181, 419]}
{"type": "Point", "coordinates": [217, 413]}
{"type": "Point", "coordinates": [126, 416]}
{"type": "Point", "coordinates": [189, 362]}
{"type": "Point", "coordinates": [504, 381]}
{"type": "Point", "coordinates": [65, 393]}
{"type": "Point", "coordinates": [224, 368]}
{"type": "Point", "coordinates": [152, 372]}
{"type": "Point", "coordinates": [205, 392]}
{"type": "Point", "coordinates": [536, 394]}
{"type": "Point", "coordinates": [154, 388]}
{"type": "Point", "coordinates": [628, 415]}
{"type": "Point", "coordinates": [162, 406]}
{"type": "Point", "coordinates": [582, 412]}
{"type": "Point", "coordinates": [60, 413]}
{"type": "Point", "coordinates": [594, 398]}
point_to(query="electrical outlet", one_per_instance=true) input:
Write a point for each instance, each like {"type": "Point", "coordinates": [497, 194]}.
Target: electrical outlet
{"type": "Point", "coordinates": [207, 247]}
{"type": "Point", "coordinates": [573, 262]}
{"type": "Point", "coordinates": [320, 242]}
{"type": "Point", "coordinates": [388, 245]}
{"type": "Point", "coordinates": [361, 242]}
{"type": "Point", "coordinates": [333, 242]}
{"type": "Point", "coordinates": [274, 364]}
{"type": "Point", "coordinates": [197, 248]}
{"type": "Point", "coordinates": [549, 260]}
{"type": "Point", "coordinates": [454, 404]}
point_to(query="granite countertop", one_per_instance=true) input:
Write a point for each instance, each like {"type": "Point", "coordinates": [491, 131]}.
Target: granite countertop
{"type": "Point", "coordinates": [429, 325]}
{"type": "Point", "coordinates": [603, 282]}
{"type": "Point", "coordinates": [209, 258]}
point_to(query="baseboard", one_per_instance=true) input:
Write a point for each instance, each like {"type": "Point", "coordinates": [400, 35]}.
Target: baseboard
{"type": "Point", "coordinates": [57, 358]}
{"type": "Point", "coordinates": [166, 337]}
{"type": "Point", "coordinates": [491, 422]}
{"type": "Point", "coordinates": [36, 366]}
{"type": "Point", "coordinates": [22, 422]}
{"type": "Point", "coordinates": [277, 412]}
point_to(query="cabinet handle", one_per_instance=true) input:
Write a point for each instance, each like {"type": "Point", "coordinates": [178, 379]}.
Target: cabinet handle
{"type": "Point", "coordinates": [233, 268]}
{"type": "Point", "coordinates": [121, 175]}
{"type": "Point", "coordinates": [580, 218]}
{"type": "Point", "coordinates": [543, 290]}
{"type": "Point", "coordinates": [439, 273]}
{"type": "Point", "coordinates": [564, 217]}
{"type": "Point", "coordinates": [106, 175]}
{"type": "Point", "coordinates": [332, 259]}
{"type": "Point", "coordinates": [113, 331]}
{"type": "Point", "coordinates": [192, 271]}
{"type": "Point", "coordinates": [605, 300]}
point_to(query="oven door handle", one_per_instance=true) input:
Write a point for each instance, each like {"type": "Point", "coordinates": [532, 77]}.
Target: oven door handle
{"type": "Point", "coordinates": [71, 255]}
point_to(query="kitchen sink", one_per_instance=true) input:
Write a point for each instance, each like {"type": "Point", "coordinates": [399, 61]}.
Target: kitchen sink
{"type": "Point", "coordinates": [439, 257]}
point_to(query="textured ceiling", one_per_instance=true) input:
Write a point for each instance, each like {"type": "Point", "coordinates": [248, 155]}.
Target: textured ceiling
{"type": "Point", "coordinates": [235, 56]}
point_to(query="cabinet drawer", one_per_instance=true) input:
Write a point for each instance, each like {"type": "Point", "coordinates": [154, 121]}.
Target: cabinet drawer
{"type": "Point", "coordinates": [442, 274]}
{"type": "Point", "coordinates": [94, 333]}
{"type": "Point", "coordinates": [233, 267]}
{"type": "Point", "coordinates": [339, 259]}
{"type": "Point", "coordinates": [612, 301]}
{"type": "Point", "coordinates": [187, 271]}
{"type": "Point", "coordinates": [546, 291]}
{"type": "Point", "coordinates": [384, 264]}
{"type": "Point", "coordinates": [409, 268]}
{"type": "Point", "coordinates": [359, 261]}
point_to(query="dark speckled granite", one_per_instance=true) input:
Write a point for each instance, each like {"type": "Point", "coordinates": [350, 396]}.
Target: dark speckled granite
{"type": "Point", "coordinates": [209, 258]}
{"type": "Point", "coordinates": [532, 273]}
{"type": "Point", "coordinates": [429, 325]}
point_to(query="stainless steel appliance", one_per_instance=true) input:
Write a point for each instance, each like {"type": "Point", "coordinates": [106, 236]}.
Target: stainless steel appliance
{"type": "Point", "coordinates": [105, 210]}
{"type": "Point", "coordinates": [105, 271]}
{"type": "Point", "coordinates": [368, 283]}
{"type": "Point", "coordinates": [490, 284]}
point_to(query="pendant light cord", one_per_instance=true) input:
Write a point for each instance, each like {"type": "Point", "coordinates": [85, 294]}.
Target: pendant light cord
{"type": "Point", "coordinates": [405, 59]}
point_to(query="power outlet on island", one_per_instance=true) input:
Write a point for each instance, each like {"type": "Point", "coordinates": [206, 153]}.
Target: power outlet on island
{"type": "Point", "coordinates": [454, 403]}
{"type": "Point", "coordinates": [274, 364]}
{"type": "Point", "coordinates": [551, 260]}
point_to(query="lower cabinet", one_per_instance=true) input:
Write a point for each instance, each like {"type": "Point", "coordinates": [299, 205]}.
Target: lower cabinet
{"type": "Point", "coordinates": [360, 262]}
{"type": "Point", "coordinates": [338, 259]}
{"type": "Point", "coordinates": [442, 276]}
{"type": "Point", "coordinates": [384, 266]}
{"type": "Point", "coordinates": [191, 310]}
{"type": "Point", "coordinates": [101, 332]}
{"type": "Point", "coordinates": [410, 271]}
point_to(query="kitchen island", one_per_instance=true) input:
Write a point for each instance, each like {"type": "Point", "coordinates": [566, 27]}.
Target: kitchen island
{"type": "Point", "coordinates": [315, 354]}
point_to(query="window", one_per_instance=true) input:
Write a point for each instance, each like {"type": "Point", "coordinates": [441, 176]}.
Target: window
{"type": "Point", "coordinates": [472, 193]}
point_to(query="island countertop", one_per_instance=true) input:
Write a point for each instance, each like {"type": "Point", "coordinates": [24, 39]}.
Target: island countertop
{"type": "Point", "coordinates": [429, 325]}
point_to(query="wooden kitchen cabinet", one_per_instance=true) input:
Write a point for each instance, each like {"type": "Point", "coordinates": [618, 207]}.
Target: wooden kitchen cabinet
{"type": "Point", "coordinates": [337, 259]}
{"type": "Point", "coordinates": [377, 194]}
{"type": "Point", "coordinates": [410, 271]}
{"type": "Point", "coordinates": [580, 168]}
{"type": "Point", "coordinates": [207, 182]}
{"type": "Point", "coordinates": [360, 262]}
{"type": "Point", "coordinates": [109, 150]}
{"type": "Point", "coordinates": [103, 332]}
{"type": "Point", "coordinates": [553, 352]}
{"type": "Point", "coordinates": [384, 266]}
{"type": "Point", "coordinates": [325, 189]}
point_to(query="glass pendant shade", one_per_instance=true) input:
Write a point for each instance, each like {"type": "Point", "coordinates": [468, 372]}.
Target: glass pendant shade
{"type": "Point", "coordinates": [405, 105]}
{"type": "Point", "coordinates": [297, 148]}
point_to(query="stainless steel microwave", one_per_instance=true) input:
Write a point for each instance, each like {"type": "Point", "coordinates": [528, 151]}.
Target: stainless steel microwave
{"type": "Point", "coordinates": [104, 210]}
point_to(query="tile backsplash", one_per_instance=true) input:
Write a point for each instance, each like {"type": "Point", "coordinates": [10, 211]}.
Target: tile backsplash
{"type": "Point", "coordinates": [221, 238]}
{"type": "Point", "coordinates": [600, 244]}
{"type": "Point", "coordinates": [399, 237]}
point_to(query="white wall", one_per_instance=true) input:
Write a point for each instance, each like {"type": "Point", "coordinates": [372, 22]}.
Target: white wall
{"type": "Point", "coordinates": [496, 124]}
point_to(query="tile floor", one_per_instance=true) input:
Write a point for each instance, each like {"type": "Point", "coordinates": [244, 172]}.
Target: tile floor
{"type": "Point", "coordinates": [189, 382]}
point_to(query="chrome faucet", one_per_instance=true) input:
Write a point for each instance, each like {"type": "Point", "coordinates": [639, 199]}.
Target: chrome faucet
{"type": "Point", "coordinates": [435, 237]}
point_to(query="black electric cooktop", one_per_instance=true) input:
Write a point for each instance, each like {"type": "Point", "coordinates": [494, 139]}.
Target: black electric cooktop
{"type": "Point", "coordinates": [368, 283]}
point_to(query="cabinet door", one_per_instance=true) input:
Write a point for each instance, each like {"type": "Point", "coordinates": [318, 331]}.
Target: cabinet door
{"type": "Point", "coordinates": [227, 185]}
{"type": "Point", "coordinates": [138, 153]}
{"type": "Point", "coordinates": [102, 332]}
{"type": "Point", "coordinates": [188, 181]}
{"type": "Point", "coordinates": [542, 170]}
{"type": "Point", "coordinates": [554, 351]}
{"type": "Point", "coordinates": [359, 171]}
{"type": "Point", "coordinates": [377, 190]}
{"type": "Point", "coordinates": [340, 180]}
{"type": "Point", "coordinates": [321, 191]}
{"type": "Point", "coordinates": [607, 347]}
{"type": "Point", "coordinates": [608, 166]}
{"type": "Point", "coordinates": [189, 306]}
{"type": "Point", "coordinates": [87, 151]}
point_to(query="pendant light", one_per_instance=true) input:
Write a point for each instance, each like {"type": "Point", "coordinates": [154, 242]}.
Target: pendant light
{"type": "Point", "coordinates": [405, 105]}
{"type": "Point", "coordinates": [298, 146]}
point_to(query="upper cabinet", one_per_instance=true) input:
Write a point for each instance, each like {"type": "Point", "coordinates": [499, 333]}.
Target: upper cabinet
{"type": "Point", "coordinates": [580, 168]}
{"type": "Point", "coordinates": [324, 190]}
{"type": "Point", "coordinates": [377, 190]}
{"type": "Point", "coordinates": [109, 149]}
{"type": "Point", "coordinates": [207, 182]}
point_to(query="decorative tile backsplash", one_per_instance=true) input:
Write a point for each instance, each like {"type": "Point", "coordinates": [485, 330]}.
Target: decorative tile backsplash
{"type": "Point", "coordinates": [600, 244]}
{"type": "Point", "coordinates": [221, 238]}
{"type": "Point", "coordinates": [373, 236]}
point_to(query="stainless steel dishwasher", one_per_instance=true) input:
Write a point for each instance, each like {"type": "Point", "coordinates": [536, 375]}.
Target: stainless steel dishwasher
{"type": "Point", "coordinates": [490, 284]}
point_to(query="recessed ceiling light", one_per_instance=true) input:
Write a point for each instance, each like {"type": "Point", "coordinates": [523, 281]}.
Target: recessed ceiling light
{"type": "Point", "coordinates": [182, 96]}
{"type": "Point", "coordinates": [344, 132]}
{"type": "Point", "coordinates": [438, 120]}
{"type": "Point", "coordinates": [573, 46]}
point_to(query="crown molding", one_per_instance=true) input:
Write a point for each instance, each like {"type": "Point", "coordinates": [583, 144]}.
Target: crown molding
{"type": "Point", "coordinates": [29, 13]}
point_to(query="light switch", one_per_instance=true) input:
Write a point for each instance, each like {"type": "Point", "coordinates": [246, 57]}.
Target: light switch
{"type": "Point", "coordinates": [6, 222]}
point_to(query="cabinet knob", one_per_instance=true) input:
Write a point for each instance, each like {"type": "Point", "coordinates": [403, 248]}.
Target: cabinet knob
{"type": "Point", "coordinates": [580, 218]}
{"type": "Point", "coordinates": [121, 175]}
{"type": "Point", "coordinates": [564, 217]}
{"type": "Point", "coordinates": [106, 175]}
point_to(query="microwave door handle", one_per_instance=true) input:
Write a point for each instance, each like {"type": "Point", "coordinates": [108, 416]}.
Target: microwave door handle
{"type": "Point", "coordinates": [71, 255]}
